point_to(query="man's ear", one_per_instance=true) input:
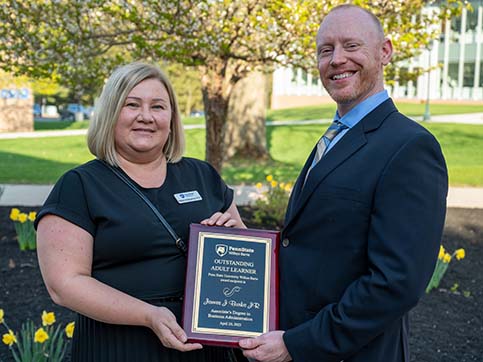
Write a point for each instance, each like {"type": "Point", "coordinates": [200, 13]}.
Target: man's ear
{"type": "Point", "coordinates": [386, 51]}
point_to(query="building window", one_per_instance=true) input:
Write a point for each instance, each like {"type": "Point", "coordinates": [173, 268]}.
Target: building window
{"type": "Point", "coordinates": [304, 77]}
{"type": "Point", "coordinates": [468, 74]}
{"type": "Point", "coordinates": [472, 19]}
{"type": "Point", "coordinates": [453, 75]}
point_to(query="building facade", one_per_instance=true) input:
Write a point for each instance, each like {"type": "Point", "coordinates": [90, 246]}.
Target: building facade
{"type": "Point", "coordinates": [455, 60]}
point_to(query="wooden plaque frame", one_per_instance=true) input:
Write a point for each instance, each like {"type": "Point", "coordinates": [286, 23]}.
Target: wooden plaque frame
{"type": "Point", "coordinates": [231, 288]}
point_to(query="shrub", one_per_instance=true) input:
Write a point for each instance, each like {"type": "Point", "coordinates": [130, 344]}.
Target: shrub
{"type": "Point", "coordinates": [270, 208]}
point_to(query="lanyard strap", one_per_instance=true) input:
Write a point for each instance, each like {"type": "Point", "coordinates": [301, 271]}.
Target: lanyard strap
{"type": "Point", "coordinates": [179, 243]}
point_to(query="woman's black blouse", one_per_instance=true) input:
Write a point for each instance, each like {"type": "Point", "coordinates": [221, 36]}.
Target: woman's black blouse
{"type": "Point", "coordinates": [132, 251]}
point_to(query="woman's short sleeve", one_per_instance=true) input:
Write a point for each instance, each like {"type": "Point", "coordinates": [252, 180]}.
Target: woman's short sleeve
{"type": "Point", "coordinates": [68, 201]}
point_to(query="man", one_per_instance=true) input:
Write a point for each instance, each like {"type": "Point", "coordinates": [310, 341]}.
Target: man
{"type": "Point", "coordinates": [364, 224]}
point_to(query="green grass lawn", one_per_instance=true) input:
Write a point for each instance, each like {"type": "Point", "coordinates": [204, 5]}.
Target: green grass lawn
{"type": "Point", "coordinates": [324, 111]}
{"type": "Point", "coordinates": [43, 160]}
{"type": "Point", "coordinates": [290, 146]}
{"type": "Point", "coordinates": [462, 147]}
{"type": "Point", "coordinates": [59, 125]}
{"type": "Point", "coordinates": [64, 125]}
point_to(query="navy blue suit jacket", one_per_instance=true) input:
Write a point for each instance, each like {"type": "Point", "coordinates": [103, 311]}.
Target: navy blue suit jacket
{"type": "Point", "coordinates": [360, 241]}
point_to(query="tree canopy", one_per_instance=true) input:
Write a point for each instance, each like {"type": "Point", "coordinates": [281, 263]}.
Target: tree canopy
{"type": "Point", "coordinates": [82, 41]}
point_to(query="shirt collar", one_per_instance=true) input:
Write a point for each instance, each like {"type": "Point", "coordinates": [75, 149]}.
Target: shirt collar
{"type": "Point", "coordinates": [351, 118]}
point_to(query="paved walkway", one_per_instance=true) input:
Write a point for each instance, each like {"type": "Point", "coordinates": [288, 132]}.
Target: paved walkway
{"type": "Point", "coordinates": [35, 195]}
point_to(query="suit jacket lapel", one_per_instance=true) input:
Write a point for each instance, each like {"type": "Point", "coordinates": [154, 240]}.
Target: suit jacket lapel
{"type": "Point", "coordinates": [297, 189]}
{"type": "Point", "coordinates": [352, 141]}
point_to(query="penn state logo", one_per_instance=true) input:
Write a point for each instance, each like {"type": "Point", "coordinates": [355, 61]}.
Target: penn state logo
{"type": "Point", "coordinates": [221, 249]}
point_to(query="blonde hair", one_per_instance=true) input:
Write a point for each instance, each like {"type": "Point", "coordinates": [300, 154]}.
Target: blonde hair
{"type": "Point", "coordinates": [100, 136]}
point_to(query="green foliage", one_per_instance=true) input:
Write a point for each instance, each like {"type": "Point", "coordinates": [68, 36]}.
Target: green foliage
{"type": "Point", "coordinates": [270, 208]}
{"type": "Point", "coordinates": [412, 26]}
{"type": "Point", "coordinates": [82, 41]}
{"type": "Point", "coordinates": [47, 87]}
{"type": "Point", "coordinates": [38, 344]}
{"type": "Point", "coordinates": [46, 38]}
{"type": "Point", "coordinates": [7, 80]}
{"type": "Point", "coordinates": [186, 82]}
{"type": "Point", "coordinates": [63, 125]}
{"type": "Point", "coordinates": [454, 288]}
{"type": "Point", "coordinates": [24, 227]}
{"type": "Point", "coordinates": [444, 258]}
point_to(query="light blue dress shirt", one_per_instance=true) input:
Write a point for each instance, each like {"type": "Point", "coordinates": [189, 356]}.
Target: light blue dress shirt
{"type": "Point", "coordinates": [356, 114]}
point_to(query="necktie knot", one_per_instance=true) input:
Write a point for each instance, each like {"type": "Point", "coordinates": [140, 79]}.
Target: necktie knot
{"type": "Point", "coordinates": [334, 129]}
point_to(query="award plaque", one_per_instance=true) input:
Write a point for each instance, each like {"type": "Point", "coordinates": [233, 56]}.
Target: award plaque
{"type": "Point", "coordinates": [231, 284]}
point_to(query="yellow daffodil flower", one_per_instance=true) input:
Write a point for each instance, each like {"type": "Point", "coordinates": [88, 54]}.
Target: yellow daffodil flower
{"type": "Point", "coordinates": [441, 252]}
{"type": "Point", "coordinates": [22, 217]}
{"type": "Point", "coordinates": [269, 178]}
{"type": "Point", "coordinates": [69, 329]}
{"type": "Point", "coordinates": [259, 185]}
{"type": "Point", "coordinates": [460, 254]}
{"type": "Point", "coordinates": [41, 336]}
{"type": "Point", "coordinates": [14, 214]}
{"type": "Point", "coordinates": [48, 318]}
{"type": "Point", "coordinates": [447, 258]}
{"type": "Point", "coordinates": [32, 216]}
{"type": "Point", "coordinates": [2, 314]}
{"type": "Point", "coordinates": [273, 183]}
{"type": "Point", "coordinates": [9, 338]}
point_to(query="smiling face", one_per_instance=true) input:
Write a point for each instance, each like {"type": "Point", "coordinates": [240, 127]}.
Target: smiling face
{"type": "Point", "coordinates": [143, 126]}
{"type": "Point", "coordinates": [351, 54]}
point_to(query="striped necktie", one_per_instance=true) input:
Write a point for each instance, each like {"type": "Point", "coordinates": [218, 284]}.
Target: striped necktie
{"type": "Point", "coordinates": [325, 140]}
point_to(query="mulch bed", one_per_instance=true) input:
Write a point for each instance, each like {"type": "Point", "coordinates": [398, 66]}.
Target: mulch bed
{"type": "Point", "coordinates": [446, 326]}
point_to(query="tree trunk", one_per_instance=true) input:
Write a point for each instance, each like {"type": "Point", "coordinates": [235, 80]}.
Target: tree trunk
{"type": "Point", "coordinates": [245, 132]}
{"type": "Point", "coordinates": [216, 90]}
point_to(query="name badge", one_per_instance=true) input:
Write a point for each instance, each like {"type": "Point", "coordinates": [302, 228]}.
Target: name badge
{"type": "Point", "coordinates": [189, 196]}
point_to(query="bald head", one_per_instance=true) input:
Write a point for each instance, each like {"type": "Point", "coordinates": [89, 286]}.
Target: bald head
{"type": "Point", "coordinates": [374, 21]}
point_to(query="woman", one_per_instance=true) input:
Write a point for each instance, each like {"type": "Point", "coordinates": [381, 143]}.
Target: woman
{"type": "Point", "coordinates": [101, 249]}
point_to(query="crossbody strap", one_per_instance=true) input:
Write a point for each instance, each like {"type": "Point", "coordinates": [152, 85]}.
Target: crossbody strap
{"type": "Point", "coordinates": [179, 243]}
